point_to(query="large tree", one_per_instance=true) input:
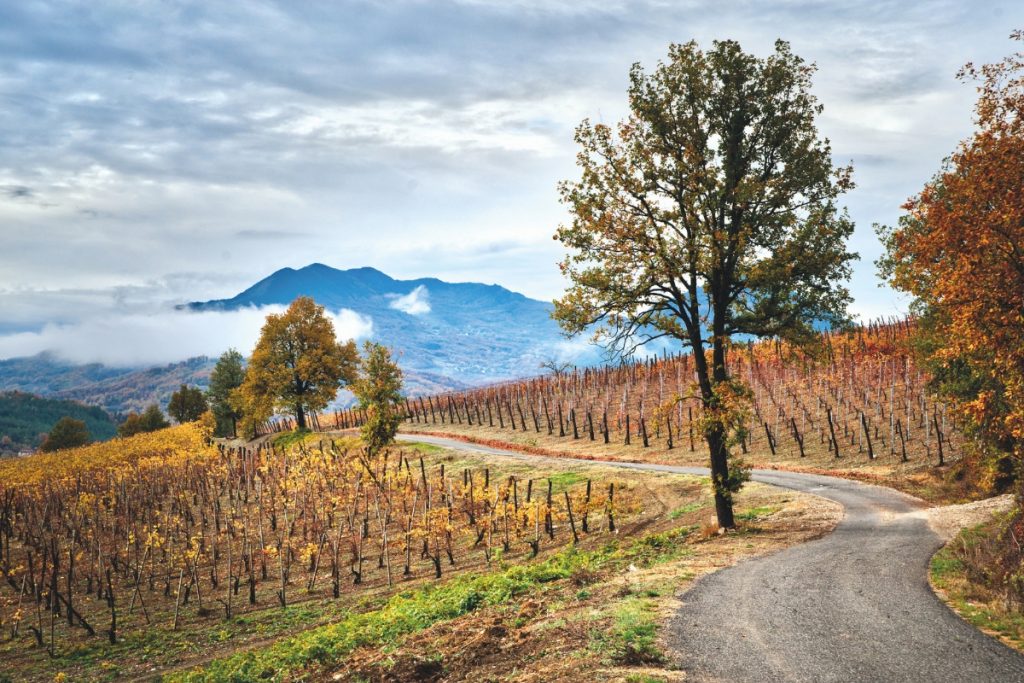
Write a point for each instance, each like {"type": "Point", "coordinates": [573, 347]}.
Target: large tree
{"type": "Point", "coordinates": [959, 249]}
{"type": "Point", "coordinates": [187, 404]}
{"type": "Point", "coordinates": [709, 212]}
{"type": "Point", "coordinates": [298, 364]}
{"type": "Point", "coordinates": [227, 375]}
{"type": "Point", "coordinates": [66, 433]}
{"type": "Point", "coordinates": [379, 391]}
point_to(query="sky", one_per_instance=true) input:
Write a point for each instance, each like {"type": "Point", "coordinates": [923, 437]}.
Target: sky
{"type": "Point", "coordinates": [159, 152]}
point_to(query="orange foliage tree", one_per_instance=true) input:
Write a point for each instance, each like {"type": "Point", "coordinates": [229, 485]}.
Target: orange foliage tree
{"type": "Point", "coordinates": [959, 250]}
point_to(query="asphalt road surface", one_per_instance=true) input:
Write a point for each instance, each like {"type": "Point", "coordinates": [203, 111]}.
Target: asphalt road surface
{"type": "Point", "coordinates": [854, 605]}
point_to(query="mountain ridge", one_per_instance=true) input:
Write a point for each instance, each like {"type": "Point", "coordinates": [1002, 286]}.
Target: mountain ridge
{"type": "Point", "coordinates": [471, 332]}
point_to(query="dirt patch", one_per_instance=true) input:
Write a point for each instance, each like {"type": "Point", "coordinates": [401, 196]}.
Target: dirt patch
{"type": "Point", "coordinates": [947, 521]}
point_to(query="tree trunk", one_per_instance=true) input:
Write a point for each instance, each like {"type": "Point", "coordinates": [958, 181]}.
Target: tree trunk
{"type": "Point", "coordinates": [714, 433]}
{"type": "Point", "coordinates": [300, 416]}
{"type": "Point", "coordinates": [720, 472]}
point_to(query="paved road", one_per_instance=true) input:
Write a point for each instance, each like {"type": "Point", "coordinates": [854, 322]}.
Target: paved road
{"type": "Point", "coordinates": [852, 606]}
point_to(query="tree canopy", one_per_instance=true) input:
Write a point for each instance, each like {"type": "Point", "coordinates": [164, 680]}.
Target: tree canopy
{"type": "Point", "coordinates": [959, 249]}
{"type": "Point", "coordinates": [378, 390]}
{"type": "Point", "coordinates": [187, 404]}
{"type": "Point", "coordinates": [710, 211]}
{"type": "Point", "coordinates": [66, 433]}
{"type": "Point", "coordinates": [227, 375]}
{"type": "Point", "coordinates": [298, 365]}
{"type": "Point", "coordinates": [150, 420]}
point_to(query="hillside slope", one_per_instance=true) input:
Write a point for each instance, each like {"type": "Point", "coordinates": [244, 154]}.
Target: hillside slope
{"type": "Point", "coordinates": [25, 417]}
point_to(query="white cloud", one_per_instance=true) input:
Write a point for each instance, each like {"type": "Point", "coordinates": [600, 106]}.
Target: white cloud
{"type": "Point", "coordinates": [416, 302]}
{"type": "Point", "coordinates": [138, 339]}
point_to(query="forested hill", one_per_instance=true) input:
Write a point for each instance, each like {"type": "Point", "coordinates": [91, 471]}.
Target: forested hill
{"type": "Point", "coordinates": [24, 418]}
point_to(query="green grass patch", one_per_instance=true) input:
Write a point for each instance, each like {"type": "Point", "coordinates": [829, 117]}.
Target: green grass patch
{"type": "Point", "coordinates": [758, 512]}
{"type": "Point", "coordinates": [292, 438]}
{"type": "Point", "coordinates": [424, 448]}
{"type": "Point", "coordinates": [564, 480]}
{"type": "Point", "coordinates": [687, 509]}
{"type": "Point", "coordinates": [632, 638]}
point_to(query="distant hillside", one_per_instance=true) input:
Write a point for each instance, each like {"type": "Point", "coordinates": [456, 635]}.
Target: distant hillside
{"type": "Point", "coordinates": [471, 332]}
{"type": "Point", "coordinates": [24, 418]}
{"type": "Point", "coordinates": [117, 390]}
{"type": "Point", "coordinates": [124, 390]}
{"type": "Point", "coordinates": [45, 374]}
{"type": "Point", "coordinates": [133, 391]}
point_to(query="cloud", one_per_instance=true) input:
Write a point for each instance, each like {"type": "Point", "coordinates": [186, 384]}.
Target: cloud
{"type": "Point", "coordinates": [138, 339]}
{"type": "Point", "coordinates": [416, 302]}
{"type": "Point", "coordinates": [144, 140]}
{"type": "Point", "coordinates": [17, 191]}
{"type": "Point", "coordinates": [270, 234]}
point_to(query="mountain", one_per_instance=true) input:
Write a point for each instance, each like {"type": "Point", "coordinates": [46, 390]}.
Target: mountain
{"type": "Point", "coordinates": [447, 336]}
{"type": "Point", "coordinates": [24, 418]}
{"type": "Point", "coordinates": [467, 331]}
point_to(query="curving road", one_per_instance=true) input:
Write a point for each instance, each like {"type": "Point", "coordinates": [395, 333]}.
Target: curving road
{"type": "Point", "coordinates": [854, 605]}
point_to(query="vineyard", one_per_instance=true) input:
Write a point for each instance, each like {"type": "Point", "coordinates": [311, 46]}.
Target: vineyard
{"type": "Point", "coordinates": [105, 542]}
{"type": "Point", "coordinates": [860, 403]}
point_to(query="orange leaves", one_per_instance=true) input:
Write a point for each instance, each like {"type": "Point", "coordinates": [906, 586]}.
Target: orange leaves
{"type": "Point", "coordinates": [960, 250]}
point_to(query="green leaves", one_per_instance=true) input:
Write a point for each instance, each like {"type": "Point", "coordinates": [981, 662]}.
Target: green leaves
{"type": "Point", "coordinates": [379, 390]}
{"type": "Point", "coordinates": [708, 212]}
{"type": "Point", "coordinates": [717, 188]}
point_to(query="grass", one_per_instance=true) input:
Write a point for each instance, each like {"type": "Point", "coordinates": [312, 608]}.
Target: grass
{"type": "Point", "coordinates": [564, 480]}
{"type": "Point", "coordinates": [292, 438]}
{"type": "Point", "coordinates": [758, 512]}
{"type": "Point", "coordinates": [974, 602]}
{"type": "Point", "coordinates": [418, 609]}
{"type": "Point", "coordinates": [687, 509]}
{"type": "Point", "coordinates": [425, 448]}
{"type": "Point", "coordinates": [632, 638]}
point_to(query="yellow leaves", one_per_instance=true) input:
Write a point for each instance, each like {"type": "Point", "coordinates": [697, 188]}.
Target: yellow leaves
{"type": "Point", "coordinates": [164, 448]}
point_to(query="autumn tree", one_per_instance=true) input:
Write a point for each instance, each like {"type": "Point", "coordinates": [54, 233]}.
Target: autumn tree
{"type": "Point", "coordinates": [959, 249]}
{"type": "Point", "coordinates": [227, 375]}
{"type": "Point", "coordinates": [298, 365]}
{"type": "Point", "coordinates": [378, 390]}
{"type": "Point", "coordinates": [187, 404]}
{"type": "Point", "coordinates": [709, 212]}
{"type": "Point", "coordinates": [149, 420]}
{"type": "Point", "coordinates": [66, 433]}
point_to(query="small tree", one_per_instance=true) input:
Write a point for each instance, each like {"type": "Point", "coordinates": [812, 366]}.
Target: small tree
{"type": "Point", "coordinates": [378, 390]}
{"type": "Point", "coordinates": [556, 367]}
{"type": "Point", "coordinates": [227, 376]}
{"type": "Point", "coordinates": [709, 212]}
{"type": "Point", "coordinates": [150, 420]}
{"type": "Point", "coordinates": [66, 433]}
{"type": "Point", "coordinates": [298, 365]}
{"type": "Point", "coordinates": [187, 404]}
